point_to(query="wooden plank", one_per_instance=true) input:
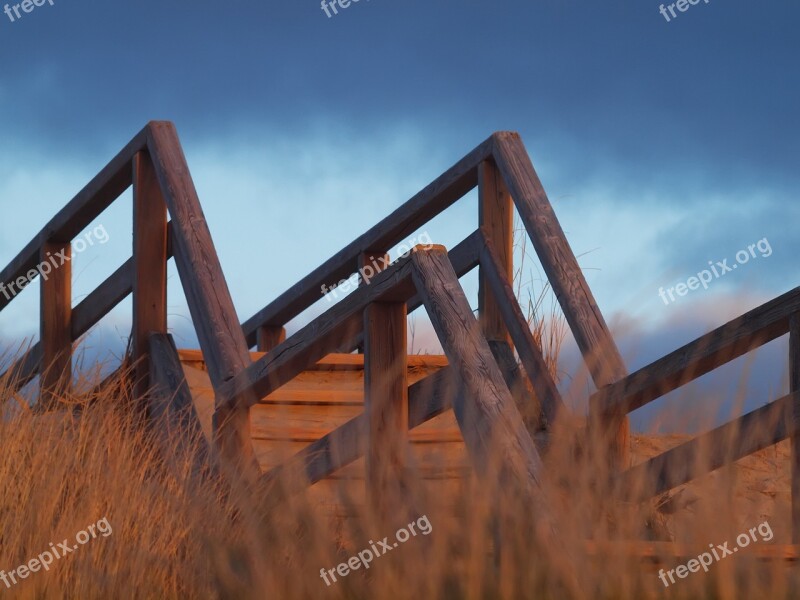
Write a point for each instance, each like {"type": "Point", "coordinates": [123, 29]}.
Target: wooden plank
{"type": "Point", "coordinates": [566, 278]}
{"type": "Point", "coordinates": [496, 218]}
{"type": "Point", "coordinates": [794, 431]}
{"type": "Point", "coordinates": [150, 267]}
{"type": "Point", "coordinates": [171, 408]}
{"type": "Point", "coordinates": [394, 229]}
{"type": "Point", "coordinates": [724, 344]}
{"type": "Point", "coordinates": [741, 437]}
{"type": "Point", "coordinates": [530, 354]}
{"type": "Point", "coordinates": [55, 325]}
{"type": "Point", "coordinates": [426, 400]}
{"type": "Point", "coordinates": [486, 414]}
{"type": "Point", "coordinates": [335, 361]}
{"type": "Point", "coordinates": [338, 326]}
{"type": "Point", "coordinates": [87, 204]}
{"type": "Point", "coordinates": [268, 337]}
{"type": "Point", "coordinates": [206, 290]}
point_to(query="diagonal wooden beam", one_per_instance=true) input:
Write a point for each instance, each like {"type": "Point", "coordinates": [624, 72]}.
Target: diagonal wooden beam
{"type": "Point", "coordinates": [207, 293]}
{"type": "Point", "coordinates": [489, 421]}
{"type": "Point", "coordinates": [530, 354]}
{"type": "Point", "coordinates": [749, 433]}
{"type": "Point", "coordinates": [585, 320]}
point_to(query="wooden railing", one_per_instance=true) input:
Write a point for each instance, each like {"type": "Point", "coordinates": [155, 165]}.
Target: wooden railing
{"type": "Point", "coordinates": [154, 165]}
{"type": "Point", "coordinates": [482, 375]}
{"type": "Point", "coordinates": [754, 431]}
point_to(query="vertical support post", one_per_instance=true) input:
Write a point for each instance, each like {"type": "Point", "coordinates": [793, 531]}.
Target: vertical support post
{"type": "Point", "coordinates": [496, 217]}
{"type": "Point", "coordinates": [150, 266]}
{"type": "Point", "coordinates": [55, 324]}
{"type": "Point", "coordinates": [269, 336]}
{"type": "Point", "coordinates": [794, 387]}
{"type": "Point", "coordinates": [385, 395]}
{"type": "Point", "coordinates": [369, 265]}
{"type": "Point", "coordinates": [386, 403]}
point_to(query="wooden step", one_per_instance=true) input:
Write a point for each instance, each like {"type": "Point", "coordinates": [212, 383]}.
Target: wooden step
{"type": "Point", "coordinates": [324, 398]}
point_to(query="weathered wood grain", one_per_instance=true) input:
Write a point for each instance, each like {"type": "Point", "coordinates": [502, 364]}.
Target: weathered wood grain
{"type": "Point", "coordinates": [206, 290]}
{"type": "Point", "coordinates": [585, 320]}
{"type": "Point", "coordinates": [150, 267]}
{"type": "Point", "coordinates": [171, 408]}
{"type": "Point", "coordinates": [55, 328]}
{"type": "Point", "coordinates": [486, 414]}
{"type": "Point", "coordinates": [496, 221]}
{"type": "Point", "coordinates": [386, 402]}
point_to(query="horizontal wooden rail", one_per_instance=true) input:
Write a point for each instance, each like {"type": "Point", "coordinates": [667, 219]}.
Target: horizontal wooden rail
{"type": "Point", "coordinates": [85, 315]}
{"type": "Point", "coordinates": [724, 344]}
{"type": "Point", "coordinates": [84, 208]}
{"type": "Point", "coordinates": [394, 229]}
{"type": "Point", "coordinates": [741, 437]}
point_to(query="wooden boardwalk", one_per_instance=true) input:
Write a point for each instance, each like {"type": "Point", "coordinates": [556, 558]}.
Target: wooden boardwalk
{"type": "Point", "coordinates": [308, 405]}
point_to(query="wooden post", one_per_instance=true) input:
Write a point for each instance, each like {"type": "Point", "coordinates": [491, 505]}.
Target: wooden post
{"type": "Point", "coordinates": [794, 386]}
{"type": "Point", "coordinates": [269, 336]}
{"type": "Point", "coordinates": [496, 216]}
{"type": "Point", "coordinates": [55, 322]}
{"type": "Point", "coordinates": [371, 260]}
{"type": "Point", "coordinates": [385, 394]}
{"type": "Point", "coordinates": [150, 266]}
{"type": "Point", "coordinates": [386, 403]}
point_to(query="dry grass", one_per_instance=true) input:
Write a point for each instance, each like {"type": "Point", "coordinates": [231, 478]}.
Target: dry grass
{"type": "Point", "coordinates": [175, 536]}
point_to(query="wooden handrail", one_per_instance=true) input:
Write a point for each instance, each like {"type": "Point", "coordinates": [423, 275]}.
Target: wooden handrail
{"type": "Point", "coordinates": [724, 344]}
{"type": "Point", "coordinates": [727, 443]}
{"type": "Point", "coordinates": [444, 191]}
{"type": "Point", "coordinates": [84, 208]}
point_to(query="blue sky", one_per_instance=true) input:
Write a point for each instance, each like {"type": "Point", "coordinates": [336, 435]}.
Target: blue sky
{"type": "Point", "coordinates": [662, 145]}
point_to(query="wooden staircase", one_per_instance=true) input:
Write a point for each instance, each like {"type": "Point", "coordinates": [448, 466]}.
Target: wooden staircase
{"type": "Point", "coordinates": [320, 400]}
{"type": "Point", "coordinates": [299, 406]}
